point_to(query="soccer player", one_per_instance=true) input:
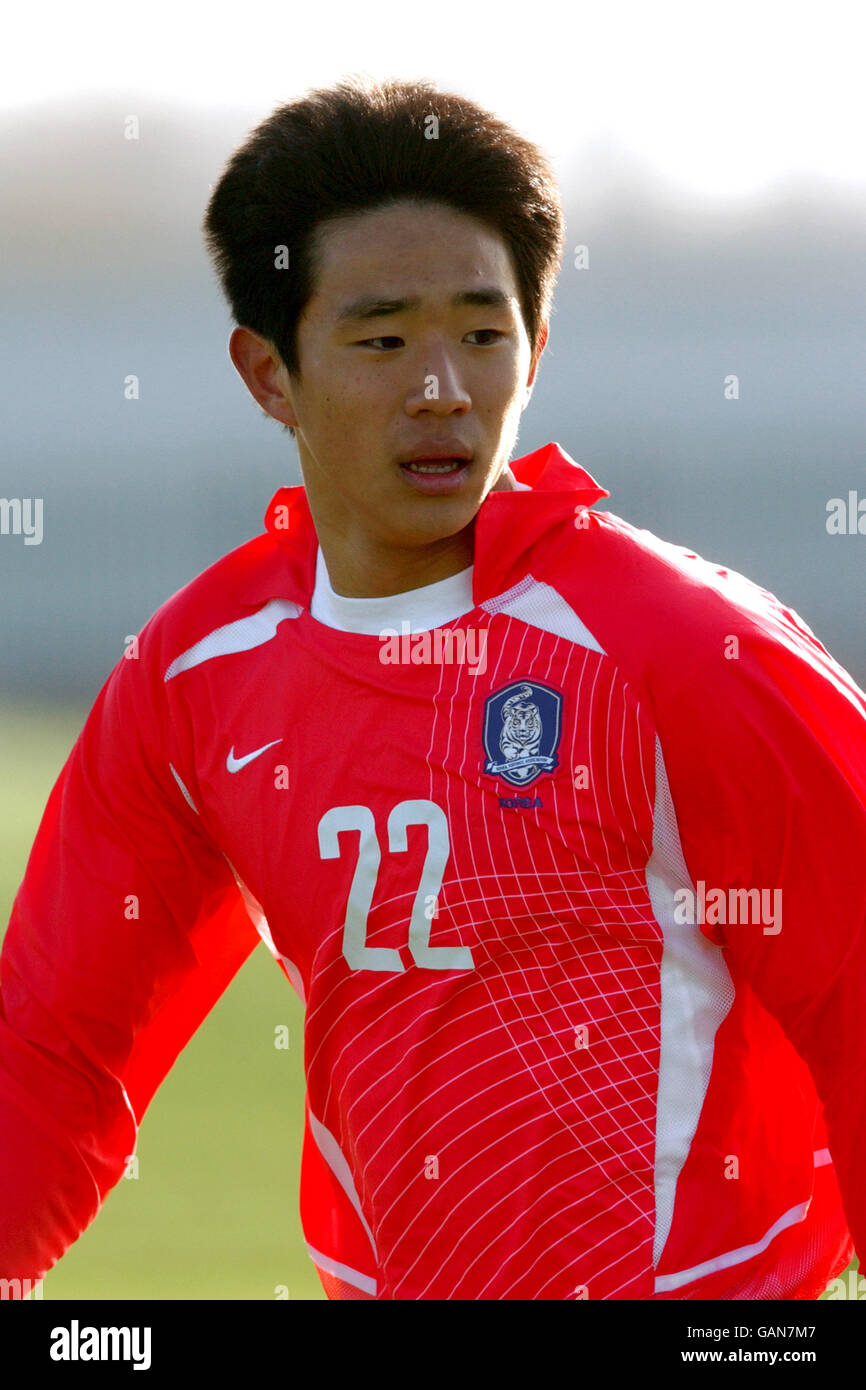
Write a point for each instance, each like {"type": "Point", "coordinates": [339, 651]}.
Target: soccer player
{"type": "Point", "coordinates": [558, 830]}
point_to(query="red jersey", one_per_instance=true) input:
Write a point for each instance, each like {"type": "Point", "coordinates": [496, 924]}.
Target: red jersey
{"type": "Point", "coordinates": [573, 892]}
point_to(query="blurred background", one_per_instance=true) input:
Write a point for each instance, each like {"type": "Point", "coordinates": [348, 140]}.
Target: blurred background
{"type": "Point", "coordinates": [713, 174]}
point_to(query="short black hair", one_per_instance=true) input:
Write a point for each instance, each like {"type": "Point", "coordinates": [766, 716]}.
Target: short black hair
{"type": "Point", "coordinates": [365, 144]}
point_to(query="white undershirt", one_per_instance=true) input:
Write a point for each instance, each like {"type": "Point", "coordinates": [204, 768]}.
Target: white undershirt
{"type": "Point", "coordinates": [426, 608]}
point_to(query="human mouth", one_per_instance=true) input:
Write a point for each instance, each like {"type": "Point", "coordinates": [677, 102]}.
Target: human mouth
{"type": "Point", "coordinates": [436, 477]}
{"type": "Point", "coordinates": [427, 466]}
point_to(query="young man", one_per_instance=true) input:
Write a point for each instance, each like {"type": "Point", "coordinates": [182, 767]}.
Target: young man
{"type": "Point", "coordinates": [558, 831]}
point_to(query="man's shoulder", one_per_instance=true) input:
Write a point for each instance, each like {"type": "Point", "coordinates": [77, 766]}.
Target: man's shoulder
{"type": "Point", "coordinates": [640, 569]}
{"type": "Point", "coordinates": [664, 613]}
{"type": "Point", "coordinates": [229, 591]}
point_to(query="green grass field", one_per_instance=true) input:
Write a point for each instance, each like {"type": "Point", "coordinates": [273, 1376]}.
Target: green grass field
{"type": "Point", "coordinates": [213, 1213]}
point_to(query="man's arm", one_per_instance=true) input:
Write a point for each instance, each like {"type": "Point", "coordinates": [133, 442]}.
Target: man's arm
{"type": "Point", "coordinates": [765, 748]}
{"type": "Point", "coordinates": [126, 929]}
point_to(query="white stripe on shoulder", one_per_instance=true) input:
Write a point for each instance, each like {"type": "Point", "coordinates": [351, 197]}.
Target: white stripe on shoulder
{"type": "Point", "coordinates": [239, 636]}
{"type": "Point", "coordinates": [539, 605]}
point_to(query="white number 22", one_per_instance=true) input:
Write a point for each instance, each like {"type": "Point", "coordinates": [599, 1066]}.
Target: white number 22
{"type": "Point", "coordinates": [405, 813]}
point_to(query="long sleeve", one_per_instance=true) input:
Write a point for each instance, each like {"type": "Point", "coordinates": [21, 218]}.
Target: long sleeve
{"type": "Point", "coordinates": [764, 739]}
{"type": "Point", "coordinates": [126, 929]}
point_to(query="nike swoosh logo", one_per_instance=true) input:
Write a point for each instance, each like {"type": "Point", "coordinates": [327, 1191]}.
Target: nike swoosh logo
{"type": "Point", "coordinates": [235, 764]}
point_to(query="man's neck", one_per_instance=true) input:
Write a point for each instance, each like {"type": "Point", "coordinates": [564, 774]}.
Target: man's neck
{"type": "Point", "coordinates": [364, 571]}
{"type": "Point", "coordinates": [360, 568]}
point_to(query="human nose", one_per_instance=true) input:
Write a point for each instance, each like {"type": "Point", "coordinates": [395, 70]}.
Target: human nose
{"type": "Point", "coordinates": [441, 388]}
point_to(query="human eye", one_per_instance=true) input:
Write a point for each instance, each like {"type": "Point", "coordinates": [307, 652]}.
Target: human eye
{"type": "Point", "coordinates": [368, 342]}
{"type": "Point", "coordinates": [495, 331]}
{"type": "Point", "coordinates": [372, 342]}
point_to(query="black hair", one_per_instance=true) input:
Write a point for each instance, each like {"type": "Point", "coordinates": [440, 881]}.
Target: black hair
{"type": "Point", "coordinates": [365, 144]}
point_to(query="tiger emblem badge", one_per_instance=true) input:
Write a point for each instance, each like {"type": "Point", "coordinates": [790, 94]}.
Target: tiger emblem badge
{"type": "Point", "coordinates": [522, 729]}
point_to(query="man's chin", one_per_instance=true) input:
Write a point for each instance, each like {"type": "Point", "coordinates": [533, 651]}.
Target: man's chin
{"type": "Point", "coordinates": [435, 519]}
{"type": "Point", "coordinates": [424, 520]}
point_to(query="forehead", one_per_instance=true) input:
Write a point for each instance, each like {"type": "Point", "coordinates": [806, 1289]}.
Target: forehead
{"type": "Point", "coordinates": [407, 248]}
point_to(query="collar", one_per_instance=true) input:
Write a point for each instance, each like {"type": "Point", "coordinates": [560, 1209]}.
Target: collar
{"type": "Point", "coordinates": [433, 605]}
{"type": "Point", "coordinates": [507, 525]}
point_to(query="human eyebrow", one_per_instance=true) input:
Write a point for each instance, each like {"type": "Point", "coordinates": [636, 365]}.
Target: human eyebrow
{"type": "Point", "coordinates": [375, 307]}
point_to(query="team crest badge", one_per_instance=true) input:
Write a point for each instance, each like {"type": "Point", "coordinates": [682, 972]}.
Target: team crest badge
{"type": "Point", "coordinates": [522, 729]}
